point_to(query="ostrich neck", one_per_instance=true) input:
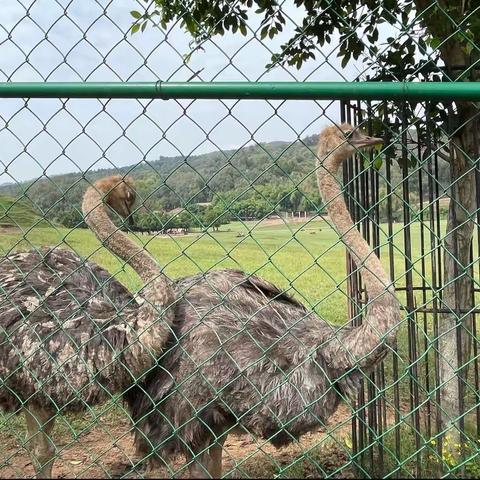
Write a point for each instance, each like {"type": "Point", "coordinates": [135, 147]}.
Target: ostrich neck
{"type": "Point", "coordinates": [374, 277]}
{"type": "Point", "coordinates": [360, 346]}
{"type": "Point", "coordinates": [115, 240]}
{"type": "Point", "coordinates": [149, 328]}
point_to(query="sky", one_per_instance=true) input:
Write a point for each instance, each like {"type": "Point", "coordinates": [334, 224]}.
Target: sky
{"type": "Point", "coordinates": [88, 40]}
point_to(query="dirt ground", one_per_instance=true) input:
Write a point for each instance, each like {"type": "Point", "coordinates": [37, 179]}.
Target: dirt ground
{"type": "Point", "coordinates": [107, 451]}
{"type": "Point", "coordinates": [281, 221]}
{"type": "Point", "coordinates": [106, 454]}
{"type": "Point", "coordinates": [5, 229]}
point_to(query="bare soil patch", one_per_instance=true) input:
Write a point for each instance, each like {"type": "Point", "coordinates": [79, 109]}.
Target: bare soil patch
{"type": "Point", "coordinates": [107, 451]}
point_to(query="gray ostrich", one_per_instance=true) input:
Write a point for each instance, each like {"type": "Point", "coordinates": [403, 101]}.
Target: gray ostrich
{"type": "Point", "coordinates": [247, 355]}
{"type": "Point", "coordinates": [70, 334]}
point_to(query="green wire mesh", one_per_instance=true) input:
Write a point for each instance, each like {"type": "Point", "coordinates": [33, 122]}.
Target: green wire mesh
{"type": "Point", "coordinates": [231, 184]}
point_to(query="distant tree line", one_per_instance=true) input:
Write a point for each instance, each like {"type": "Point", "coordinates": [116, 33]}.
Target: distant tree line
{"type": "Point", "coordinates": [250, 183]}
{"type": "Point", "coordinates": [194, 216]}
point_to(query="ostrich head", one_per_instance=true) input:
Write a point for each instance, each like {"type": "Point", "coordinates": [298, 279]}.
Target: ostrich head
{"type": "Point", "coordinates": [119, 194]}
{"type": "Point", "coordinates": [345, 140]}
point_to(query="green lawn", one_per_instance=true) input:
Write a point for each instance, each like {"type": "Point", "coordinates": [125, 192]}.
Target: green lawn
{"type": "Point", "coordinates": [307, 259]}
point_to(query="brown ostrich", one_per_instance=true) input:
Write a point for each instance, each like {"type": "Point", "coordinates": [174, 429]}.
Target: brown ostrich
{"type": "Point", "coordinates": [246, 355]}
{"type": "Point", "coordinates": [71, 335]}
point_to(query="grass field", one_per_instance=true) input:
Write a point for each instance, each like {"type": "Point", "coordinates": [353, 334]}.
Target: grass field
{"type": "Point", "coordinates": [305, 259]}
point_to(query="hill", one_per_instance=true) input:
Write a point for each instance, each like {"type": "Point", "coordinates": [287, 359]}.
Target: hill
{"type": "Point", "coordinates": [249, 182]}
{"type": "Point", "coordinates": [18, 213]}
{"type": "Point", "coordinates": [277, 172]}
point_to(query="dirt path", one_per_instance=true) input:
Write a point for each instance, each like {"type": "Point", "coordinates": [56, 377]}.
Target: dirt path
{"type": "Point", "coordinates": [107, 451]}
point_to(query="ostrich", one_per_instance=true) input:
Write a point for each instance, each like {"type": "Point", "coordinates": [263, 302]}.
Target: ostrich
{"type": "Point", "coordinates": [246, 355]}
{"type": "Point", "coordinates": [71, 335]}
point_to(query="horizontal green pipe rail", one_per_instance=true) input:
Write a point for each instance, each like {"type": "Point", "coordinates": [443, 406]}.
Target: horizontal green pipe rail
{"type": "Point", "coordinates": [247, 90]}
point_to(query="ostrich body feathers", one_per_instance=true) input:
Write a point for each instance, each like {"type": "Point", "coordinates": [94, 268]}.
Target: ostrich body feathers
{"type": "Point", "coordinates": [245, 354]}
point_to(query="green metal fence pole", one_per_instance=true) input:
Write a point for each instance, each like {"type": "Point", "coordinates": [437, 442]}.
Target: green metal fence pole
{"type": "Point", "coordinates": [247, 90]}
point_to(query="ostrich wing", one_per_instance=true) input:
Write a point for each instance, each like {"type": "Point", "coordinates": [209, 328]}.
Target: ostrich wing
{"type": "Point", "coordinates": [63, 324]}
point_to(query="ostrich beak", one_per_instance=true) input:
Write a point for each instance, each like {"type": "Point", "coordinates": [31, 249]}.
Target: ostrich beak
{"type": "Point", "coordinates": [366, 141]}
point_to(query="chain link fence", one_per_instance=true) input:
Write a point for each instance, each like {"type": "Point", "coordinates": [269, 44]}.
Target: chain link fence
{"type": "Point", "coordinates": [232, 184]}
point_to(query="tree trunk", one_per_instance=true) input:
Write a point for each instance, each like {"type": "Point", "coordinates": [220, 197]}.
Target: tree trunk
{"type": "Point", "coordinates": [455, 327]}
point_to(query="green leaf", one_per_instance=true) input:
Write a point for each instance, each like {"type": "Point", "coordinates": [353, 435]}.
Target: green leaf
{"type": "Point", "coordinates": [434, 42]}
{"type": "Point", "coordinates": [378, 162]}
{"type": "Point", "coordinates": [468, 48]}
{"type": "Point", "coordinates": [135, 14]}
{"type": "Point", "coordinates": [135, 28]}
{"type": "Point", "coordinates": [263, 32]}
{"type": "Point", "coordinates": [345, 59]}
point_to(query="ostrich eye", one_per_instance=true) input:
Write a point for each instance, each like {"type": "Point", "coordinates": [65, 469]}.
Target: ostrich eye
{"type": "Point", "coordinates": [347, 133]}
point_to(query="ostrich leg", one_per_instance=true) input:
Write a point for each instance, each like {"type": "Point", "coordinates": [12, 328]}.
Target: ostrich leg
{"type": "Point", "coordinates": [208, 464]}
{"type": "Point", "coordinates": [41, 447]}
{"type": "Point", "coordinates": [198, 467]}
{"type": "Point", "coordinates": [215, 461]}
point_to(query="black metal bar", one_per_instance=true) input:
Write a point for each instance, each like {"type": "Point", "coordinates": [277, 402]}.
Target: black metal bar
{"type": "Point", "coordinates": [378, 374]}
{"type": "Point", "coordinates": [433, 195]}
{"type": "Point", "coordinates": [391, 256]}
{"type": "Point", "coordinates": [410, 297]}
{"type": "Point", "coordinates": [428, 425]}
{"type": "Point", "coordinates": [352, 289]}
{"type": "Point", "coordinates": [358, 193]}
